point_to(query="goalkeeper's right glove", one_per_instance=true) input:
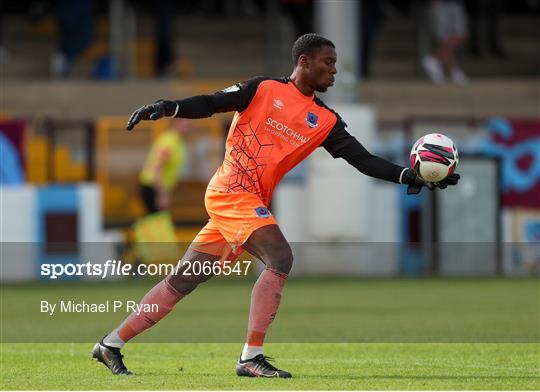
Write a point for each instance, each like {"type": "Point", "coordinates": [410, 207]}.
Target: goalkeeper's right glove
{"type": "Point", "coordinates": [153, 112]}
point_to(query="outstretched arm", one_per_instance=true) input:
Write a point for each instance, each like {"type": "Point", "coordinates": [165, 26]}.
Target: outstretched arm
{"type": "Point", "coordinates": [235, 98]}
{"type": "Point", "coordinates": [341, 144]}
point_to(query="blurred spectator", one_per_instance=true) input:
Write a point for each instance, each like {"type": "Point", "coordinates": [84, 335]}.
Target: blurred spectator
{"type": "Point", "coordinates": [76, 22]}
{"type": "Point", "coordinates": [484, 18]}
{"type": "Point", "coordinates": [231, 8]}
{"type": "Point", "coordinates": [448, 26]}
{"type": "Point", "coordinates": [164, 11]}
{"type": "Point", "coordinates": [162, 167]}
{"type": "Point", "coordinates": [3, 51]}
{"type": "Point", "coordinates": [301, 13]}
{"type": "Point", "coordinates": [371, 19]}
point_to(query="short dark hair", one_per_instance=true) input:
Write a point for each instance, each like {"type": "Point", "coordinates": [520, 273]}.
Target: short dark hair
{"type": "Point", "coordinates": [307, 43]}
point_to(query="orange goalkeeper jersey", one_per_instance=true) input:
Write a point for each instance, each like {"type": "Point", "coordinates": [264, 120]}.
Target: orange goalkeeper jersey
{"type": "Point", "coordinates": [279, 128]}
{"type": "Point", "coordinates": [274, 128]}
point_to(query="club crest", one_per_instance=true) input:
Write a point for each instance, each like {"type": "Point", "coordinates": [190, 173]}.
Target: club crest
{"type": "Point", "coordinates": [312, 119]}
{"type": "Point", "coordinates": [262, 212]}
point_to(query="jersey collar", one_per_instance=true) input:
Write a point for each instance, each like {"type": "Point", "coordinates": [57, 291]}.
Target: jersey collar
{"type": "Point", "coordinates": [298, 92]}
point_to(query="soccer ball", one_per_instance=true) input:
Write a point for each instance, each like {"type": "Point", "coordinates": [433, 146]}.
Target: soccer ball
{"type": "Point", "coordinates": [434, 157]}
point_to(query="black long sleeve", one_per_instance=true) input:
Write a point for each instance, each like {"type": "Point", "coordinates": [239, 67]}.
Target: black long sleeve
{"type": "Point", "coordinates": [234, 98]}
{"type": "Point", "coordinates": [341, 144]}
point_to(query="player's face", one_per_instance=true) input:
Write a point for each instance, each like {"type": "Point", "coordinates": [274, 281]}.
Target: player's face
{"type": "Point", "coordinates": [322, 69]}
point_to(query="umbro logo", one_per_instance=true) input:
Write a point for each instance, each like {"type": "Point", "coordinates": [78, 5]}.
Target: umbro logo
{"type": "Point", "coordinates": [278, 104]}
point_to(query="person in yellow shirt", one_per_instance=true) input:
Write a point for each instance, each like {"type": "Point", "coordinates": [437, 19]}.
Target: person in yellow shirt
{"type": "Point", "coordinates": [162, 167]}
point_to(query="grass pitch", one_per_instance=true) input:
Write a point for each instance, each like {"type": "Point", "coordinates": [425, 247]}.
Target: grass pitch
{"type": "Point", "coordinates": [311, 311]}
{"type": "Point", "coordinates": [63, 366]}
{"type": "Point", "coordinates": [433, 334]}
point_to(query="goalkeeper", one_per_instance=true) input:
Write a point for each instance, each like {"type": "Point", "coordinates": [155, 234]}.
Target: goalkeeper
{"type": "Point", "coordinates": [278, 122]}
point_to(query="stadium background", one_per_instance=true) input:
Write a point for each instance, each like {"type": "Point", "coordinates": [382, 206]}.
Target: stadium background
{"type": "Point", "coordinates": [69, 175]}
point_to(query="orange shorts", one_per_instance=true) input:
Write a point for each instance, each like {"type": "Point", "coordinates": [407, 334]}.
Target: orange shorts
{"type": "Point", "coordinates": [233, 217]}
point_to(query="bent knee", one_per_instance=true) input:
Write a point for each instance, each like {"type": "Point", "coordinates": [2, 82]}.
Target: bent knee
{"type": "Point", "coordinates": [281, 260]}
{"type": "Point", "coordinates": [185, 284]}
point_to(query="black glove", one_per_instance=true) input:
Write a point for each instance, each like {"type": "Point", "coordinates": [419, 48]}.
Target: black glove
{"type": "Point", "coordinates": [452, 179]}
{"type": "Point", "coordinates": [152, 112]}
{"type": "Point", "coordinates": [414, 182]}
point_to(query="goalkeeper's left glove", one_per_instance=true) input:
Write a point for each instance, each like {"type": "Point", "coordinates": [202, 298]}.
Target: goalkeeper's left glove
{"type": "Point", "coordinates": [452, 179]}
{"type": "Point", "coordinates": [414, 182]}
